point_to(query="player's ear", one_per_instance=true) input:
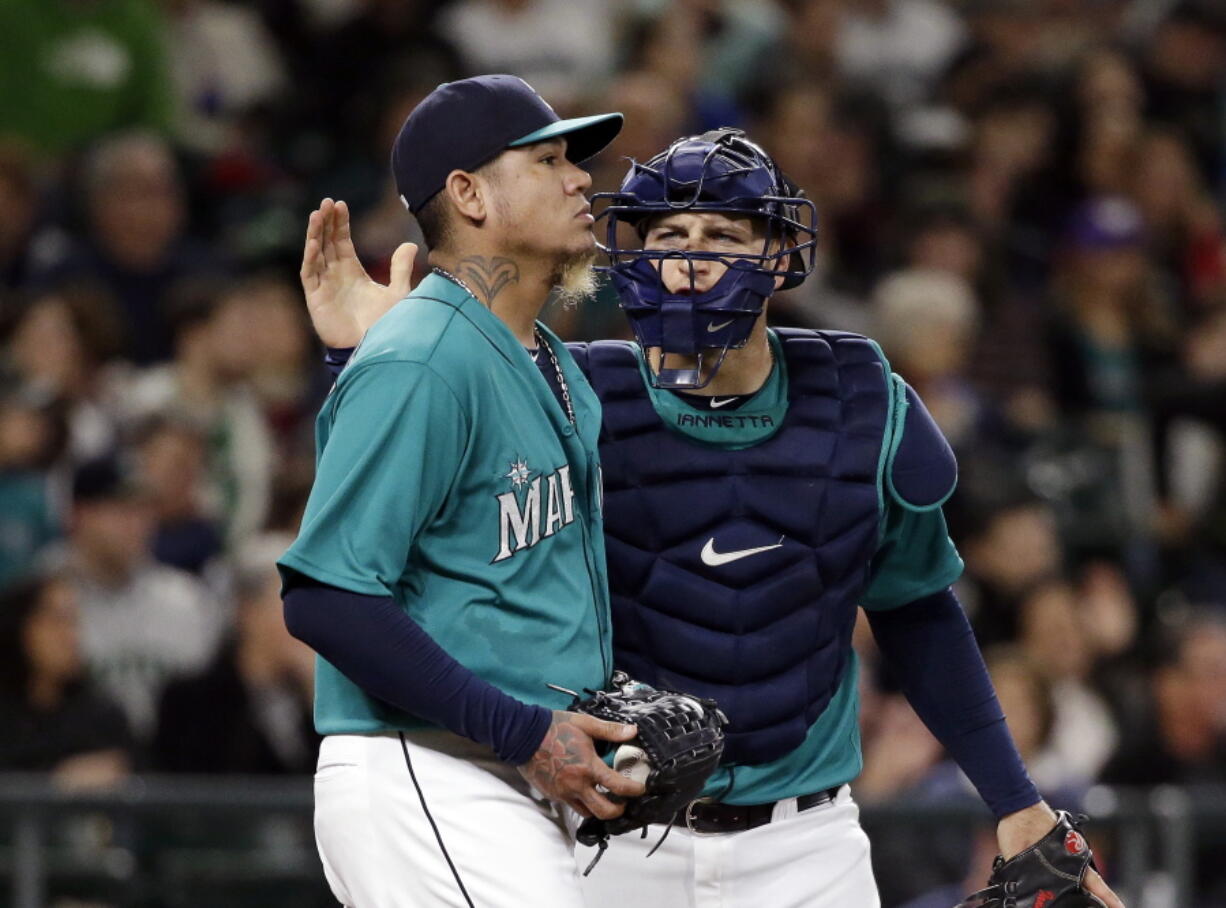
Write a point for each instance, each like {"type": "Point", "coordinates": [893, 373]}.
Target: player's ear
{"type": "Point", "coordinates": [468, 194]}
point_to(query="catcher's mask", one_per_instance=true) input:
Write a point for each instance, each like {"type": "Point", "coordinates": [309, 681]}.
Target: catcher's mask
{"type": "Point", "coordinates": [718, 171]}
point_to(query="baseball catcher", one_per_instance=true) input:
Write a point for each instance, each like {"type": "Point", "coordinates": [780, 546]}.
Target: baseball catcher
{"type": "Point", "coordinates": [679, 744]}
{"type": "Point", "coordinates": [1048, 874]}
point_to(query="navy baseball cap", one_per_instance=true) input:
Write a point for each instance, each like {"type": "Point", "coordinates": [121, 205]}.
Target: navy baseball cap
{"type": "Point", "coordinates": [462, 125]}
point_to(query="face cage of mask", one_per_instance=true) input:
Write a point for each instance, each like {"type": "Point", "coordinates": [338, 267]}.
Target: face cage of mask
{"type": "Point", "coordinates": [782, 214]}
{"type": "Point", "coordinates": [793, 261]}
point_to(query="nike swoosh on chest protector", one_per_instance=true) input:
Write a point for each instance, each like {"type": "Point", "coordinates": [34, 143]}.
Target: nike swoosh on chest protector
{"type": "Point", "coordinates": [713, 558]}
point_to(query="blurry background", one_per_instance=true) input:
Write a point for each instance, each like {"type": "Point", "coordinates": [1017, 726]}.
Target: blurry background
{"type": "Point", "coordinates": [1022, 199]}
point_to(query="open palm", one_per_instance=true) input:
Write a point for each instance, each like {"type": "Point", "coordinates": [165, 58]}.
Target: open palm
{"type": "Point", "coordinates": [341, 298]}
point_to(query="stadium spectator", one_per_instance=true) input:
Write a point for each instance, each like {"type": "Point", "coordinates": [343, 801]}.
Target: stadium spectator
{"type": "Point", "coordinates": [1053, 636]}
{"type": "Point", "coordinates": [668, 44]}
{"type": "Point", "coordinates": [561, 47]}
{"type": "Point", "coordinates": [943, 238]}
{"type": "Point", "coordinates": [897, 48]}
{"type": "Point", "coordinates": [734, 40]}
{"type": "Point", "coordinates": [1008, 538]}
{"type": "Point", "coordinates": [808, 49]}
{"type": "Point", "coordinates": [285, 377]}
{"type": "Point", "coordinates": [1182, 738]}
{"type": "Point", "coordinates": [141, 622]}
{"type": "Point", "coordinates": [207, 385]}
{"type": "Point", "coordinates": [1184, 226]}
{"type": "Point", "coordinates": [926, 322]}
{"type": "Point", "coordinates": [54, 720]}
{"type": "Point", "coordinates": [32, 432]}
{"type": "Point", "coordinates": [249, 711]}
{"type": "Point", "coordinates": [171, 454]}
{"type": "Point", "coordinates": [137, 246]}
{"type": "Point", "coordinates": [1182, 64]}
{"type": "Point", "coordinates": [224, 66]}
{"type": "Point", "coordinates": [65, 343]}
{"type": "Point", "coordinates": [19, 199]}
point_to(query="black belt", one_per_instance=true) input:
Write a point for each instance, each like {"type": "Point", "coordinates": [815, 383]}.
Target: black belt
{"type": "Point", "coordinates": [708, 817]}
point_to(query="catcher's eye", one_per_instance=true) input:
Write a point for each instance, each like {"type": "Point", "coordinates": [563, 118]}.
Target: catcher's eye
{"type": "Point", "coordinates": [664, 238]}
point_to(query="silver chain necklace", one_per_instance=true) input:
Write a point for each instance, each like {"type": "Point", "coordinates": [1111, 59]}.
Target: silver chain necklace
{"type": "Point", "coordinates": [443, 272]}
{"type": "Point", "coordinates": [553, 357]}
{"type": "Point", "coordinates": [557, 370]}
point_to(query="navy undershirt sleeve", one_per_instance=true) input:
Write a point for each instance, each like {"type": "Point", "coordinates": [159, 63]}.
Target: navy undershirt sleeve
{"type": "Point", "coordinates": [335, 359]}
{"type": "Point", "coordinates": [931, 649]}
{"type": "Point", "coordinates": [391, 657]}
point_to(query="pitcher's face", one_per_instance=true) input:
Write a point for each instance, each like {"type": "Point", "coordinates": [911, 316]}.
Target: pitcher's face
{"type": "Point", "coordinates": [540, 201]}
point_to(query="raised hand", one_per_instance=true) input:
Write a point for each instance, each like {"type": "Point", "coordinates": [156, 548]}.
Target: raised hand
{"type": "Point", "coordinates": [565, 768]}
{"type": "Point", "coordinates": [341, 298]}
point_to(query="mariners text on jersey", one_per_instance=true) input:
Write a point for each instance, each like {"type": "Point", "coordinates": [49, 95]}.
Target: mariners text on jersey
{"type": "Point", "coordinates": [522, 522]}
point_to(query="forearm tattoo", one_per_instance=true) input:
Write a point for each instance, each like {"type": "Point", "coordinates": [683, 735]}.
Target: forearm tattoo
{"type": "Point", "coordinates": [488, 276]}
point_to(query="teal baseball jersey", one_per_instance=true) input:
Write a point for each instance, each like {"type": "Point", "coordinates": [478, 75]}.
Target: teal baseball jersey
{"type": "Point", "coordinates": [449, 478]}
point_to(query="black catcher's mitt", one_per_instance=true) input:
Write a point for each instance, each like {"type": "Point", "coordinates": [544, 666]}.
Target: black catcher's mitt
{"type": "Point", "coordinates": [1048, 874]}
{"type": "Point", "coordinates": [682, 737]}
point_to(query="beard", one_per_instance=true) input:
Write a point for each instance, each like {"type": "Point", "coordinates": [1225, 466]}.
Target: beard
{"type": "Point", "coordinates": [575, 278]}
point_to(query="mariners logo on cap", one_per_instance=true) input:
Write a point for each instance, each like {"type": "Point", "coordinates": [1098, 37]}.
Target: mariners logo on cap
{"type": "Point", "coordinates": [538, 94]}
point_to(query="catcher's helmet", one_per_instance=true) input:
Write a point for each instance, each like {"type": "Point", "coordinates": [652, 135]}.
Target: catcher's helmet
{"type": "Point", "coordinates": [718, 171]}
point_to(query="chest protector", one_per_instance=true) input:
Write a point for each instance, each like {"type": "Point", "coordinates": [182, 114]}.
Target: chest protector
{"type": "Point", "coordinates": [735, 574]}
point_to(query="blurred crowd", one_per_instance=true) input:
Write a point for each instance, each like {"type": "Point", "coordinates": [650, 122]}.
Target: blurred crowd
{"type": "Point", "coordinates": [1023, 200]}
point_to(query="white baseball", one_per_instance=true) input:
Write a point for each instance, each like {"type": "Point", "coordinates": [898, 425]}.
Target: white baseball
{"type": "Point", "coordinates": [632, 763]}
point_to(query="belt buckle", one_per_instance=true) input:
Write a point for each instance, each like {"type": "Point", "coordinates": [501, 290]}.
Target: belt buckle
{"type": "Point", "coordinates": [689, 815]}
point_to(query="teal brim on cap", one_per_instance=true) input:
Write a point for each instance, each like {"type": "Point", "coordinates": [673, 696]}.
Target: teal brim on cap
{"type": "Point", "coordinates": [585, 136]}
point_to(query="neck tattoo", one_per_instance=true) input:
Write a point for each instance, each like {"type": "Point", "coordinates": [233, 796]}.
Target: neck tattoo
{"type": "Point", "coordinates": [490, 276]}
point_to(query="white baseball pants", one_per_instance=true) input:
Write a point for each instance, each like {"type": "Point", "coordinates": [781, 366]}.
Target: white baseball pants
{"type": "Point", "coordinates": [509, 848]}
{"type": "Point", "coordinates": [817, 858]}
